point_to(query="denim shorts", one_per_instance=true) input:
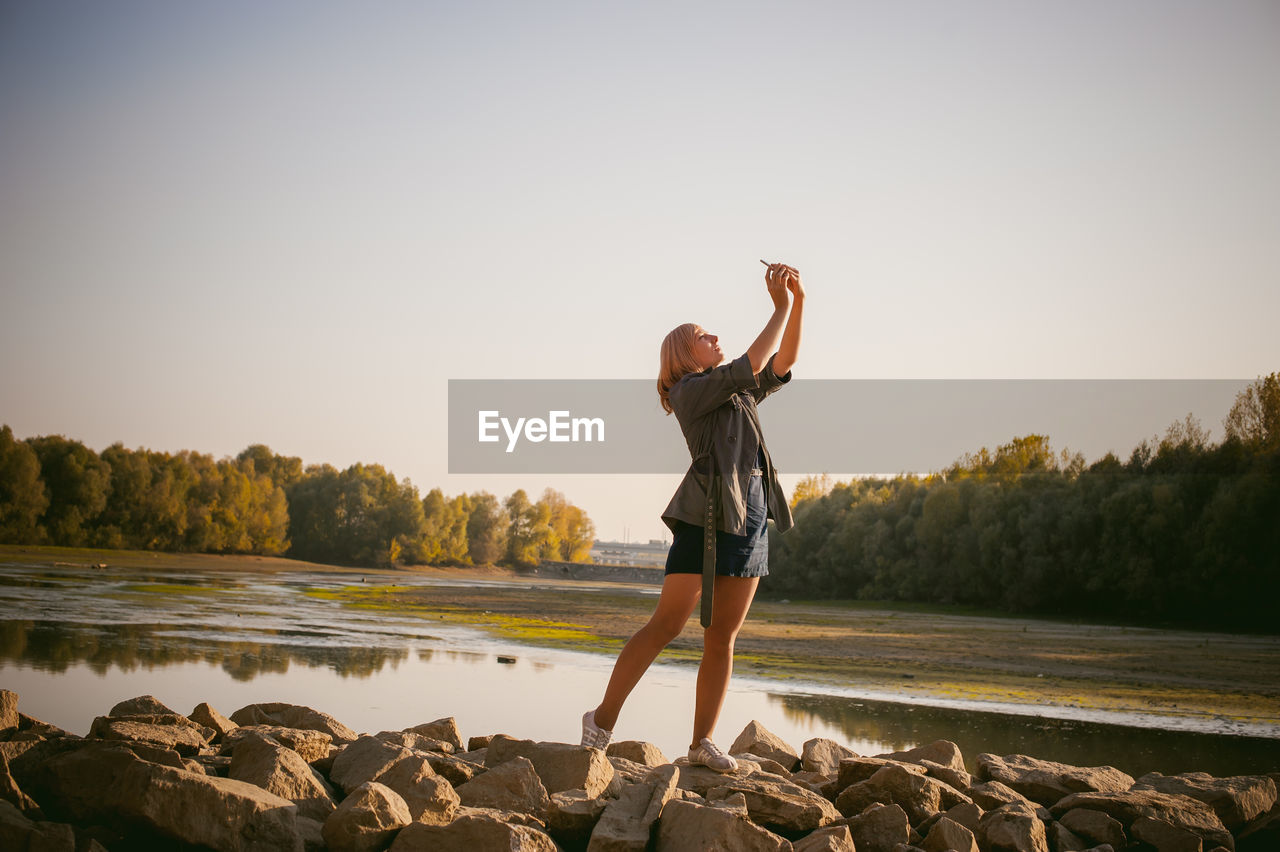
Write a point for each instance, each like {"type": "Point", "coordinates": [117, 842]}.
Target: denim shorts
{"type": "Point", "coordinates": [736, 555]}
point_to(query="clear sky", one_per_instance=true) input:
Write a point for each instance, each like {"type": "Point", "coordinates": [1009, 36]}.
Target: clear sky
{"type": "Point", "coordinates": [290, 223]}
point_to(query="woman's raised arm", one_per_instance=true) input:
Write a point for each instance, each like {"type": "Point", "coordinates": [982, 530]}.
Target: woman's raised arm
{"type": "Point", "coordinates": [776, 280]}
{"type": "Point", "coordinates": [790, 347]}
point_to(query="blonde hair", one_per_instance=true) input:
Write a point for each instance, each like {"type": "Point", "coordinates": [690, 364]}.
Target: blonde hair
{"type": "Point", "coordinates": [676, 360]}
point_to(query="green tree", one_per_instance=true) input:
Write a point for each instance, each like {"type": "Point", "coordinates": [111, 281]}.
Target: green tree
{"type": "Point", "coordinates": [78, 483]}
{"type": "Point", "coordinates": [23, 497]}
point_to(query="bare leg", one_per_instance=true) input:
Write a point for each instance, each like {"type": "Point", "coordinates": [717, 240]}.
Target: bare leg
{"type": "Point", "coordinates": [679, 594]}
{"type": "Point", "coordinates": [733, 596]}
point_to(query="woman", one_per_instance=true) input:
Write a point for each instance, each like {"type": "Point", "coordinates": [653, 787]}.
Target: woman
{"type": "Point", "coordinates": [718, 514]}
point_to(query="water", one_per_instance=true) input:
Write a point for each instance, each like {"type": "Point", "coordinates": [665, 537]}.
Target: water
{"type": "Point", "coordinates": [75, 641]}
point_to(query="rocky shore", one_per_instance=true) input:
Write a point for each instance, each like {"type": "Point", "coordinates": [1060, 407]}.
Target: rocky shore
{"type": "Point", "coordinates": [288, 777]}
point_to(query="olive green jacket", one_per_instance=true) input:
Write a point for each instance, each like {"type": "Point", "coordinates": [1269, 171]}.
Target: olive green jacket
{"type": "Point", "coordinates": [717, 413]}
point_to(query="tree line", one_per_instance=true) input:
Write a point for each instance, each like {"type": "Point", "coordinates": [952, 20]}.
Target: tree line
{"type": "Point", "coordinates": [58, 491]}
{"type": "Point", "coordinates": [1183, 531]}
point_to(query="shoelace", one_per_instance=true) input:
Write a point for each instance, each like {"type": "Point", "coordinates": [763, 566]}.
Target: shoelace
{"type": "Point", "coordinates": [711, 749]}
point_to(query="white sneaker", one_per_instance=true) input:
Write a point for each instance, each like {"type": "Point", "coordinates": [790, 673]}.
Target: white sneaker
{"type": "Point", "coordinates": [709, 755]}
{"type": "Point", "coordinates": [592, 734]}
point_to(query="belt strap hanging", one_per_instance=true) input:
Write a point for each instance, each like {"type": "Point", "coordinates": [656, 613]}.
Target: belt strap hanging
{"type": "Point", "coordinates": [709, 543]}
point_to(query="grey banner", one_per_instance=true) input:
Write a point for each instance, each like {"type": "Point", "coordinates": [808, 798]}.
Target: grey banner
{"type": "Point", "coordinates": [815, 426]}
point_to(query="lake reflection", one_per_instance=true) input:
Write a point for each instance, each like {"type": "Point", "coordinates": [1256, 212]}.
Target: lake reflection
{"type": "Point", "coordinates": [73, 642]}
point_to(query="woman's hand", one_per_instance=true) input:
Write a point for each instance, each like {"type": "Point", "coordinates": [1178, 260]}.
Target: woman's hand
{"type": "Point", "coordinates": [776, 278]}
{"type": "Point", "coordinates": [793, 283]}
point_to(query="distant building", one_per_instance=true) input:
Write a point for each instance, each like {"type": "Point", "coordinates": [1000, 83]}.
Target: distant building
{"type": "Point", "coordinates": [654, 552]}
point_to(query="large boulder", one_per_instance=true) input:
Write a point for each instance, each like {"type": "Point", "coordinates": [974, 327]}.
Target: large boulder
{"type": "Point", "coordinates": [628, 823]}
{"type": "Point", "coordinates": [689, 827]}
{"type": "Point", "coordinates": [11, 792]}
{"type": "Point", "coordinates": [776, 804]}
{"type": "Point", "coordinates": [205, 715]}
{"type": "Point", "coordinates": [823, 756]}
{"type": "Point", "coordinates": [756, 739]}
{"type": "Point", "coordinates": [473, 832]}
{"type": "Point", "coordinates": [1175, 809]}
{"type": "Point", "coordinates": [700, 779]}
{"type": "Point", "coordinates": [416, 742]}
{"type": "Point", "coordinates": [311, 746]}
{"type": "Point", "coordinates": [920, 796]}
{"type": "Point", "coordinates": [282, 771]}
{"type": "Point", "coordinates": [110, 784]}
{"type": "Point", "coordinates": [169, 731]}
{"type": "Point", "coordinates": [143, 705]}
{"type": "Point", "coordinates": [1014, 827]}
{"type": "Point", "coordinates": [1236, 800]}
{"type": "Point", "coordinates": [856, 769]}
{"type": "Point", "coordinates": [879, 828]}
{"type": "Point", "coordinates": [947, 835]}
{"type": "Point", "coordinates": [367, 820]}
{"type": "Point", "coordinates": [1095, 827]}
{"type": "Point", "coordinates": [646, 754]}
{"type": "Point", "coordinates": [1045, 781]}
{"type": "Point", "coordinates": [572, 817]}
{"type": "Point", "coordinates": [943, 752]}
{"type": "Point", "coordinates": [431, 799]}
{"type": "Point", "coordinates": [513, 785]}
{"type": "Point", "coordinates": [8, 713]}
{"type": "Point", "coordinates": [452, 768]}
{"type": "Point", "coordinates": [363, 760]}
{"type": "Point", "coordinates": [294, 716]}
{"type": "Point", "coordinates": [833, 838]}
{"type": "Point", "coordinates": [992, 794]}
{"type": "Point", "coordinates": [18, 832]}
{"type": "Point", "coordinates": [1165, 837]}
{"type": "Point", "coordinates": [445, 729]}
{"type": "Point", "coordinates": [560, 766]}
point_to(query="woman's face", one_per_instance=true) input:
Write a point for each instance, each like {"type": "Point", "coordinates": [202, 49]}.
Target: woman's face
{"type": "Point", "coordinates": [706, 348]}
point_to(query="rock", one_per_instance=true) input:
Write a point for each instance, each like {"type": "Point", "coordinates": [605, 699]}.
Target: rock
{"type": "Point", "coordinates": [943, 752]}
{"type": "Point", "coordinates": [1047, 782]}
{"type": "Point", "coordinates": [282, 771]}
{"type": "Point", "coordinates": [312, 834]}
{"type": "Point", "coordinates": [629, 822]}
{"type": "Point", "coordinates": [367, 820]}
{"type": "Point", "coordinates": [294, 716]}
{"type": "Point", "coordinates": [856, 769]}
{"type": "Point", "coordinates": [205, 715]}
{"type": "Point", "coordinates": [992, 794]}
{"type": "Point", "coordinates": [312, 746]}
{"type": "Point", "coordinates": [1165, 837]}
{"type": "Point", "coordinates": [734, 803]}
{"type": "Point", "coordinates": [362, 761]}
{"type": "Point", "coordinates": [764, 764]}
{"type": "Point", "coordinates": [1063, 839]}
{"type": "Point", "coordinates": [431, 799]}
{"type": "Point", "coordinates": [1095, 827]}
{"type": "Point", "coordinates": [1176, 809]}
{"type": "Point", "coordinates": [947, 834]}
{"type": "Point", "coordinates": [8, 713]}
{"type": "Point", "coordinates": [453, 769]}
{"type": "Point", "coordinates": [472, 832]}
{"type": "Point", "coordinates": [573, 816]}
{"type": "Point", "coordinates": [628, 771]}
{"type": "Point", "coordinates": [415, 742]}
{"type": "Point", "coordinates": [919, 795]}
{"type": "Point", "coordinates": [30, 725]}
{"type": "Point", "coordinates": [823, 756]}
{"type": "Point", "coordinates": [967, 814]}
{"type": "Point", "coordinates": [12, 793]}
{"type": "Point", "coordinates": [756, 739]}
{"type": "Point", "coordinates": [1012, 828]}
{"type": "Point", "coordinates": [879, 828]}
{"type": "Point", "coordinates": [956, 778]}
{"type": "Point", "coordinates": [778, 805]}
{"type": "Point", "coordinates": [833, 838]}
{"type": "Point", "coordinates": [474, 743]}
{"type": "Point", "coordinates": [700, 779]}
{"type": "Point", "coordinates": [512, 817]}
{"type": "Point", "coordinates": [19, 832]}
{"type": "Point", "coordinates": [560, 766]}
{"type": "Point", "coordinates": [688, 827]}
{"type": "Point", "coordinates": [102, 782]}
{"type": "Point", "coordinates": [143, 705]}
{"type": "Point", "coordinates": [646, 754]}
{"type": "Point", "coordinates": [1236, 800]}
{"type": "Point", "coordinates": [513, 785]}
{"type": "Point", "coordinates": [186, 740]}
{"type": "Point", "coordinates": [445, 729]}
